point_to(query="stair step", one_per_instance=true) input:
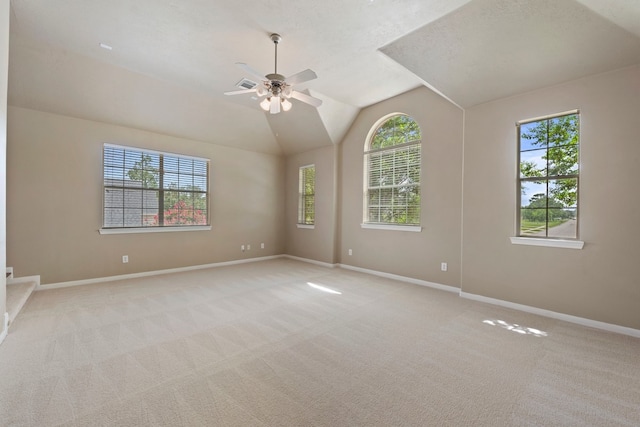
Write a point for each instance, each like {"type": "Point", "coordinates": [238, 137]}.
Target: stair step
{"type": "Point", "coordinates": [17, 295]}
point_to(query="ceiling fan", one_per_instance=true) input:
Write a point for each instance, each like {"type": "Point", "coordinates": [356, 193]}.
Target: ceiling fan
{"type": "Point", "coordinates": [276, 87]}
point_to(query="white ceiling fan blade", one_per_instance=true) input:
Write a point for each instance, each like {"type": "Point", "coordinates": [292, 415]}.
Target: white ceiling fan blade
{"type": "Point", "coordinates": [274, 107]}
{"type": "Point", "coordinates": [240, 92]}
{"type": "Point", "coordinates": [308, 99]}
{"type": "Point", "coordinates": [251, 71]}
{"type": "Point", "coordinates": [302, 76]}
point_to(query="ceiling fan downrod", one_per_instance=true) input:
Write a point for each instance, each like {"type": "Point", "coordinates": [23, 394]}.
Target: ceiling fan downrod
{"type": "Point", "coordinates": [276, 38]}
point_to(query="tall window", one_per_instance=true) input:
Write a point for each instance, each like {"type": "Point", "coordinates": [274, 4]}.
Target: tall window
{"type": "Point", "coordinates": [152, 189]}
{"type": "Point", "coordinates": [548, 176]}
{"type": "Point", "coordinates": [307, 194]}
{"type": "Point", "coordinates": [392, 172]}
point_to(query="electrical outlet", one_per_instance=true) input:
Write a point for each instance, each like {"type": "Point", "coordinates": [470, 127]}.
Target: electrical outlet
{"type": "Point", "coordinates": [443, 266]}
{"type": "Point", "coordinates": [125, 259]}
{"type": "Point", "coordinates": [248, 247]}
{"type": "Point", "coordinates": [350, 252]}
{"type": "Point", "coordinates": [261, 245]}
{"type": "Point", "coordinates": [242, 248]}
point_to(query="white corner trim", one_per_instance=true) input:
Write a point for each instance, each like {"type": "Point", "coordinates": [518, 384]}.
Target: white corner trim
{"type": "Point", "coordinates": [154, 229]}
{"type": "Point", "coordinates": [5, 328]}
{"type": "Point", "coordinates": [311, 261]}
{"type": "Point", "coordinates": [399, 278]}
{"type": "Point", "coordinates": [148, 273]}
{"type": "Point", "coordinates": [555, 315]}
{"type": "Point", "coordinates": [414, 228]}
{"type": "Point", "coordinates": [308, 226]}
{"type": "Point", "coordinates": [552, 243]}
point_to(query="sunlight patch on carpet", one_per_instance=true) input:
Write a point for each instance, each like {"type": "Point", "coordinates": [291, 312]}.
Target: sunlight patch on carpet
{"type": "Point", "coordinates": [514, 327]}
{"type": "Point", "coordinates": [323, 288]}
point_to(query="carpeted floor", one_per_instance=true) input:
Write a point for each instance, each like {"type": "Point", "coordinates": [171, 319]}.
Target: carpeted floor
{"type": "Point", "coordinates": [286, 343]}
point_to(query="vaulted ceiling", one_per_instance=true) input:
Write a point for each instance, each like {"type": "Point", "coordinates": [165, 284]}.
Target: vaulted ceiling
{"type": "Point", "coordinates": [171, 61]}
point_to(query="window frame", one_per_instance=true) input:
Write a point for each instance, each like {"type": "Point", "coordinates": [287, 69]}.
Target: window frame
{"type": "Point", "coordinates": [546, 240]}
{"type": "Point", "coordinates": [161, 190]}
{"type": "Point", "coordinates": [401, 147]}
{"type": "Point", "coordinates": [303, 196]}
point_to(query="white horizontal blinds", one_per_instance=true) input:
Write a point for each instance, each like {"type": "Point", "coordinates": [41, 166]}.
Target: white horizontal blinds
{"type": "Point", "coordinates": [185, 198]}
{"type": "Point", "coordinates": [393, 162]}
{"type": "Point", "coordinates": [307, 189]}
{"type": "Point", "coordinates": [394, 185]}
{"type": "Point", "coordinates": [140, 192]}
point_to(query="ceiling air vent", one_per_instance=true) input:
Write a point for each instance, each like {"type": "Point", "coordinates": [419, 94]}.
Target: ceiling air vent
{"type": "Point", "coordinates": [246, 84]}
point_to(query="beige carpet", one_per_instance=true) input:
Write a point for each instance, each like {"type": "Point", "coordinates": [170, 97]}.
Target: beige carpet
{"type": "Point", "coordinates": [257, 345]}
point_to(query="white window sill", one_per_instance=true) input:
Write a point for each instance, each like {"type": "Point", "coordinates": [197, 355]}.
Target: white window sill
{"type": "Point", "coordinates": [414, 228]}
{"type": "Point", "coordinates": [307, 226]}
{"type": "Point", "coordinates": [153, 229]}
{"type": "Point", "coordinates": [552, 243]}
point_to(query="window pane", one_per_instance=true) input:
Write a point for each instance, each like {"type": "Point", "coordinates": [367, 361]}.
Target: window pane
{"type": "Point", "coordinates": [563, 160]}
{"type": "Point", "coordinates": [113, 176]}
{"type": "Point", "coordinates": [132, 198]}
{"type": "Point", "coordinates": [113, 197]}
{"type": "Point", "coordinates": [185, 166]}
{"type": "Point", "coordinates": [533, 135]}
{"type": "Point", "coordinates": [132, 217]}
{"type": "Point", "coordinates": [200, 183]}
{"type": "Point", "coordinates": [533, 222]}
{"type": "Point", "coordinates": [171, 164]}
{"type": "Point", "coordinates": [562, 223]}
{"type": "Point", "coordinates": [150, 218]}
{"type": "Point", "coordinates": [531, 191]}
{"type": "Point", "coordinates": [185, 182]}
{"type": "Point", "coordinates": [533, 163]}
{"type": "Point", "coordinates": [114, 217]}
{"type": "Point", "coordinates": [564, 192]}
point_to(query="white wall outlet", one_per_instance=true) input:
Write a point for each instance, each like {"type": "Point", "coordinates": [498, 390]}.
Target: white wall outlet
{"type": "Point", "coordinates": [242, 248]}
{"type": "Point", "coordinates": [443, 266]}
{"type": "Point", "coordinates": [350, 252]}
{"type": "Point", "coordinates": [261, 245]}
{"type": "Point", "coordinates": [248, 247]}
{"type": "Point", "coordinates": [125, 259]}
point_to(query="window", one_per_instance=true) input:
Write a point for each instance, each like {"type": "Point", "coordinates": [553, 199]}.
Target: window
{"type": "Point", "coordinates": [392, 172]}
{"type": "Point", "coordinates": [548, 176]}
{"type": "Point", "coordinates": [306, 192]}
{"type": "Point", "coordinates": [151, 189]}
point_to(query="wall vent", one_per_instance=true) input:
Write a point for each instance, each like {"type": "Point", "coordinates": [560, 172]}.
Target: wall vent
{"type": "Point", "coordinates": [246, 84]}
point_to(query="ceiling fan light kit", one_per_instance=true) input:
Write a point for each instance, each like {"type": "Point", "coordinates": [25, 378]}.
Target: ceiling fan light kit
{"type": "Point", "coordinates": [278, 88]}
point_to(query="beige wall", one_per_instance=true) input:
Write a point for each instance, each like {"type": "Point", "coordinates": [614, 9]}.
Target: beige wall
{"type": "Point", "coordinates": [54, 178]}
{"type": "Point", "coordinates": [415, 255]}
{"type": "Point", "coordinates": [4, 67]}
{"type": "Point", "coordinates": [600, 282]}
{"type": "Point", "coordinates": [318, 243]}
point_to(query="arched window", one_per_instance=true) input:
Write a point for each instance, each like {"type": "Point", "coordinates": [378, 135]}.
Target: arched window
{"type": "Point", "coordinates": [392, 172]}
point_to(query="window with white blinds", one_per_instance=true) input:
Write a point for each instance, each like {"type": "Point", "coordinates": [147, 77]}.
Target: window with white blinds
{"type": "Point", "coordinates": [307, 194]}
{"type": "Point", "coordinates": [392, 173]}
{"type": "Point", "coordinates": [144, 188]}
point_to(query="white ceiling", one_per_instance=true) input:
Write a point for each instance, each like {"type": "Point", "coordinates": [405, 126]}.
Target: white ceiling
{"type": "Point", "coordinates": [172, 60]}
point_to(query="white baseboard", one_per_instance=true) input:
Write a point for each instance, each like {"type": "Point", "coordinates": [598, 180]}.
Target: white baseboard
{"type": "Point", "coordinates": [528, 309]}
{"type": "Point", "coordinates": [148, 273]}
{"type": "Point", "coordinates": [311, 261]}
{"type": "Point", "coordinates": [5, 328]}
{"type": "Point", "coordinates": [555, 315]}
{"type": "Point", "coordinates": [438, 286]}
